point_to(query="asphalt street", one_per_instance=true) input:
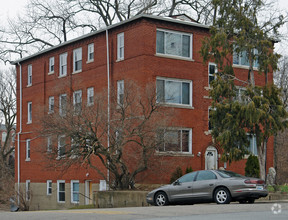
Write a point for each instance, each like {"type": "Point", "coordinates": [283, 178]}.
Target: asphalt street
{"type": "Point", "coordinates": [234, 211]}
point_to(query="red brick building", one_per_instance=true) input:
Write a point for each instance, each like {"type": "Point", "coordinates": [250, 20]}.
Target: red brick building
{"type": "Point", "coordinates": [144, 49]}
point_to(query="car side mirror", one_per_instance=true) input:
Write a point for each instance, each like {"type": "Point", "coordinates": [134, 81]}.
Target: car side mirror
{"type": "Point", "coordinates": [176, 183]}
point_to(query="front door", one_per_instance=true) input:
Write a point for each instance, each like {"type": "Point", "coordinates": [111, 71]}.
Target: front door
{"type": "Point", "coordinates": [88, 192]}
{"type": "Point", "coordinates": [211, 157]}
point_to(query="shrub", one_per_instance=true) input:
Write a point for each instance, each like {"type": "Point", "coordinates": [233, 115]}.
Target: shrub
{"type": "Point", "coordinates": [252, 168]}
{"type": "Point", "coordinates": [176, 174]}
{"type": "Point", "coordinates": [189, 169]}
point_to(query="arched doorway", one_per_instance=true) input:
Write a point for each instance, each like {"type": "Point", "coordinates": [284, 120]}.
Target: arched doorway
{"type": "Point", "coordinates": [211, 158]}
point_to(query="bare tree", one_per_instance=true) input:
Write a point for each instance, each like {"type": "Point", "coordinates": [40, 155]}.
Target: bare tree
{"type": "Point", "coordinates": [281, 79]}
{"type": "Point", "coordinates": [7, 120]}
{"type": "Point", "coordinates": [83, 134]}
{"type": "Point", "coordinates": [7, 113]}
{"type": "Point", "coordinates": [46, 23]}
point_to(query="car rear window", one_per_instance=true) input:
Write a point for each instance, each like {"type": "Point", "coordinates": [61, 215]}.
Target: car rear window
{"type": "Point", "coordinates": [228, 174]}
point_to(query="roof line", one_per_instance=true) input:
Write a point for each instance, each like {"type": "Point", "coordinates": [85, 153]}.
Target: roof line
{"type": "Point", "coordinates": [167, 19]}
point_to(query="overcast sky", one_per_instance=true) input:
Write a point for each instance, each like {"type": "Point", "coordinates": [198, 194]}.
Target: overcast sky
{"type": "Point", "coordinates": [10, 8]}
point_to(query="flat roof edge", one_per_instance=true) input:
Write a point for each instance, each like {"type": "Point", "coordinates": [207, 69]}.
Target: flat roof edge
{"type": "Point", "coordinates": [167, 19]}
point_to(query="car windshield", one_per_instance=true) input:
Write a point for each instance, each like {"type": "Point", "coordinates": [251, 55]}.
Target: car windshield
{"type": "Point", "coordinates": [228, 174]}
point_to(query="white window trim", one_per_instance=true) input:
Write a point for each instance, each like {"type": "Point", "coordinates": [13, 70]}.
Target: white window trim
{"type": "Point", "coordinates": [49, 194]}
{"type": "Point", "coordinates": [241, 65]}
{"type": "Point", "coordinates": [28, 190]}
{"type": "Point", "coordinates": [64, 55]}
{"type": "Point", "coordinates": [29, 75]}
{"type": "Point", "coordinates": [175, 56]}
{"type": "Point", "coordinates": [216, 70]}
{"type": "Point", "coordinates": [74, 99]}
{"type": "Point", "coordinates": [120, 36]}
{"type": "Point", "coordinates": [49, 144]}
{"type": "Point", "coordinates": [74, 181]}
{"type": "Point", "coordinates": [75, 51]}
{"type": "Point", "coordinates": [89, 91]}
{"type": "Point", "coordinates": [119, 82]}
{"type": "Point", "coordinates": [49, 103]}
{"type": "Point", "coordinates": [28, 149]}
{"type": "Point", "coordinates": [51, 60]}
{"type": "Point", "coordinates": [58, 183]}
{"type": "Point", "coordinates": [88, 52]}
{"type": "Point", "coordinates": [4, 136]}
{"type": "Point", "coordinates": [189, 144]}
{"type": "Point", "coordinates": [59, 146]}
{"type": "Point", "coordinates": [29, 112]}
{"type": "Point", "coordinates": [60, 104]}
{"type": "Point", "coordinates": [176, 104]}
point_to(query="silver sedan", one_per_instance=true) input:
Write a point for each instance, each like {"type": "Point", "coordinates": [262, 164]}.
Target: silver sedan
{"type": "Point", "coordinates": [220, 186]}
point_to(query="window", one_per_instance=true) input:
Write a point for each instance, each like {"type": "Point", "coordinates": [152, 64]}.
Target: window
{"type": "Point", "coordinates": [190, 177]}
{"type": "Point", "coordinates": [28, 143]}
{"type": "Point", "coordinates": [212, 70]}
{"type": "Point", "coordinates": [77, 60]}
{"type": "Point", "coordinates": [51, 104]}
{"type": "Point", "coordinates": [77, 101]}
{"type": "Point", "coordinates": [210, 127]}
{"type": "Point", "coordinates": [176, 140]}
{"type": "Point", "coordinates": [174, 44]}
{"type": "Point", "coordinates": [62, 104]}
{"type": "Point", "coordinates": [4, 135]}
{"type": "Point", "coordinates": [90, 56]}
{"type": "Point", "coordinates": [240, 95]}
{"type": "Point", "coordinates": [51, 64]}
{"type": "Point", "coordinates": [29, 116]}
{"type": "Point", "coordinates": [120, 92]}
{"type": "Point", "coordinates": [61, 191]}
{"type": "Point", "coordinates": [174, 91]}
{"type": "Point", "coordinates": [61, 146]}
{"type": "Point", "coordinates": [49, 144]}
{"type": "Point", "coordinates": [49, 187]}
{"type": "Point", "coordinates": [205, 175]}
{"type": "Point", "coordinates": [90, 96]}
{"type": "Point", "coordinates": [253, 145]}
{"type": "Point", "coordinates": [63, 65]}
{"type": "Point", "coordinates": [74, 191]}
{"type": "Point", "coordinates": [29, 80]}
{"type": "Point", "coordinates": [28, 190]}
{"type": "Point", "coordinates": [242, 59]}
{"type": "Point", "coordinates": [120, 46]}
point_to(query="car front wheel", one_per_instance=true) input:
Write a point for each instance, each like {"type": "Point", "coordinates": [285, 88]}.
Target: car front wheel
{"type": "Point", "coordinates": [222, 196]}
{"type": "Point", "coordinates": [161, 199]}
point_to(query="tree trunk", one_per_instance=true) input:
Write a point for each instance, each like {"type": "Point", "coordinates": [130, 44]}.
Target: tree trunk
{"type": "Point", "coordinates": [261, 159]}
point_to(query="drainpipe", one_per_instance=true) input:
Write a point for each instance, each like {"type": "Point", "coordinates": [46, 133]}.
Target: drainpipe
{"type": "Point", "coordinates": [18, 134]}
{"type": "Point", "coordinates": [108, 102]}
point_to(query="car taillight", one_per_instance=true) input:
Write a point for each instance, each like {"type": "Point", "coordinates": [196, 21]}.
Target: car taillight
{"type": "Point", "coordinates": [254, 181]}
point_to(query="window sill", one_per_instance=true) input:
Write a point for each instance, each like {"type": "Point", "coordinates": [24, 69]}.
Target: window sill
{"type": "Point", "coordinates": [119, 60]}
{"type": "Point", "coordinates": [174, 57]}
{"type": "Point", "coordinates": [174, 154]}
{"type": "Point", "coordinates": [209, 132]}
{"type": "Point", "coordinates": [247, 155]}
{"type": "Point", "coordinates": [243, 67]}
{"type": "Point", "coordinates": [29, 85]}
{"type": "Point", "coordinates": [61, 202]}
{"type": "Point", "coordinates": [89, 61]}
{"type": "Point", "coordinates": [51, 112]}
{"type": "Point", "coordinates": [50, 73]}
{"type": "Point", "coordinates": [27, 159]}
{"type": "Point", "coordinates": [90, 104]}
{"type": "Point", "coordinates": [176, 105]}
{"type": "Point", "coordinates": [29, 122]}
{"type": "Point", "coordinates": [62, 76]}
{"type": "Point", "coordinates": [78, 71]}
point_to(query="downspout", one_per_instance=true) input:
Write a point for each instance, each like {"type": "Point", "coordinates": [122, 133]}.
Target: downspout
{"type": "Point", "coordinates": [18, 134]}
{"type": "Point", "coordinates": [108, 102]}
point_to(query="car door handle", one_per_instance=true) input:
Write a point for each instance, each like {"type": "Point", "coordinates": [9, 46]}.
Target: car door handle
{"type": "Point", "coordinates": [211, 184]}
